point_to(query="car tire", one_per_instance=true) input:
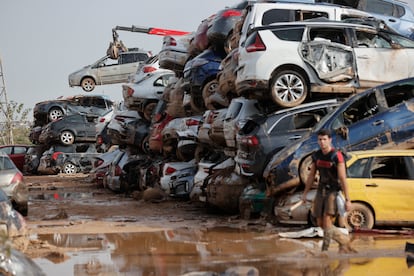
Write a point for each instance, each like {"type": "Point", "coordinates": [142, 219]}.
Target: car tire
{"type": "Point", "coordinates": [55, 113]}
{"type": "Point", "coordinates": [67, 137]}
{"type": "Point", "coordinates": [69, 168]}
{"type": "Point", "coordinates": [289, 88]}
{"type": "Point", "coordinates": [88, 84]}
{"type": "Point", "coordinates": [359, 217]}
{"type": "Point", "coordinates": [209, 89]}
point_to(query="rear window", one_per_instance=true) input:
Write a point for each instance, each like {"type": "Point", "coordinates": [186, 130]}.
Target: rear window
{"type": "Point", "coordinates": [132, 57]}
{"type": "Point", "coordinates": [289, 34]}
{"type": "Point", "coordinates": [284, 15]}
{"type": "Point", "coordinates": [399, 93]}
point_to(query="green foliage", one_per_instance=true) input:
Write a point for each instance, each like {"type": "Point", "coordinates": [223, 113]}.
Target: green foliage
{"type": "Point", "coordinates": [15, 128]}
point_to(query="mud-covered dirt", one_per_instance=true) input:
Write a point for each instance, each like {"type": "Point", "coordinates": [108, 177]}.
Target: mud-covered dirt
{"type": "Point", "coordinates": [66, 205]}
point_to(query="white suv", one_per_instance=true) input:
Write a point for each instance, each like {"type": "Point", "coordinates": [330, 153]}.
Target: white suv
{"type": "Point", "coordinates": [287, 61]}
{"type": "Point", "coordinates": [265, 13]}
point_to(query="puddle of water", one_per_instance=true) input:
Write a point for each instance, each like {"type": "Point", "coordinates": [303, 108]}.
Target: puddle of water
{"type": "Point", "coordinates": [176, 252]}
{"type": "Point", "coordinates": [61, 196]}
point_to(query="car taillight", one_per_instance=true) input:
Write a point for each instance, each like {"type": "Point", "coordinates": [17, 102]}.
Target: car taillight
{"type": "Point", "coordinates": [256, 45]}
{"type": "Point", "coordinates": [102, 120]}
{"type": "Point", "coordinates": [18, 177]}
{"type": "Point", "coordinates": [170, 170]}
{"type": "Point", "coordinates": [99, 140]}
{"type": "Point", "coordinates": [192, 122]}
{"type": "Point", "coordinates": [250, 140]}
{"type": "Point", "coordinates": [55, 155]}
{"type": "Point", "coordinates": [231, 13]}
{"type": "Point", "coordinates": [130, 91]}
{"type": "Point", "coordinates": [118, 171]}
{"type": "Point", "coordinates": [211, 117]}
{"type": "Point", "coordinates": [171, 41]}
{"type": "Point", "coordinates": [148, 69]}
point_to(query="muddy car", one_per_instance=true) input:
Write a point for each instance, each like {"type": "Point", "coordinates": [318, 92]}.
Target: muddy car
{"type": "Point", "coordinates": [69, 129]}
{"type": "Point", "coordinates": [79, 161]}
{"type": "Point", "coordinates": [377, 118]}
{"type": "Point", "coordinates": [200, 76]}
{"type": "Point", "coordinates": [51, 110]}
{"type": "Point", "coordinates": [263, 135]}
{"type": "Point", "coordinates": [361, 55]}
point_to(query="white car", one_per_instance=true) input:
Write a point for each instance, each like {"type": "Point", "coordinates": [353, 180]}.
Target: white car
{"type": "Point", "coordinates": [264, 13]}
{"type": "Point", "coordinates": [287, 61]}
{"type": "Point", "coordinates": [175, 52]}
{"type": "Point", "coordinates": [109, 71]}
{"type": "Point", "coordinates": [144, 94]}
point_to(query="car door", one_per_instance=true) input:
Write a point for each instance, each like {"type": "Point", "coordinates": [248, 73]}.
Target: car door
{"type": "Point", "coordinates": [107, 71]}
{"type": "Point", "coordinates": [128, 64]}
{"type": "Point", "coordinates": [18, 155]}
{"type": "Point", "coordinates": [388, 186]}
{"type": "Point", "coordinates": [362, 124]}
{"type": "Point", "coordinates": [378, 60]}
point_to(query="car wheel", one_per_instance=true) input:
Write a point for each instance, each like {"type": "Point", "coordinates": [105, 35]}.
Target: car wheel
{"type": "Point", "coordinates": [88, 84]}
{"type": "Point", "coordinates": [67, 137]}
{"type": "Point", "coordinates": [148, 110]}
{"type": "Point", "coordinates": [55, 113]}
{"type": "Point", "coordinates": [360, 216]}
{"type": "Point", "coordinates": [209, 89]}
{"type": "Point", "coordinates": [69, 168]}
{"type": "Point", "coordinates": [289, 88]}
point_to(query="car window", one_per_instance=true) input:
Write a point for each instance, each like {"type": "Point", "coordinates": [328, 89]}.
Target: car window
{"type": "Point", "coordinates": [19, 150]}
{"type": "Point", "coordinates": [371, 40]}
{"type": "Point", "coordinates": [284, 124]}
{"type": "Point", "coordinates": [379, 6]}
{"type": "Point", "coordinates": [362, 108]}
{"type": "Point", "coordinates": [402, 40]}
{"type": "Point", "coordinates": [233, 110]}
{"type": "Point", "coordinates": [285, 15]}
{"type": "Point", "coordinates": [6, 150]}
{"type": "Point", "coordinates": [132, 57]}
{"type": "Point", "coordinates": [336, 35]}
{"type": "Point", "coordinates": [392, 167]}
{"type": "Point", "coordinates": [289, 34]}
{"type": "Point", "coordinates": [356, 170]}
{"type": "Point", "coordinates": [6, 163]}
{"type": "Point", "coordinates": [399, 93]}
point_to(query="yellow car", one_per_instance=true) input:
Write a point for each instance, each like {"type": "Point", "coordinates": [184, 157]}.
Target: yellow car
{"type": "Point", "coordinates": [381, 188]}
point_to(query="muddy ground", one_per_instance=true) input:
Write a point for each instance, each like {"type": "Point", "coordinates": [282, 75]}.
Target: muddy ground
{"type": "Point", "coordinates": [76, 205]}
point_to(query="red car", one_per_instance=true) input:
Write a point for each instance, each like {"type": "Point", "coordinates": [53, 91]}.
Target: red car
{"type": "Point", "coordinates": [16, 153]}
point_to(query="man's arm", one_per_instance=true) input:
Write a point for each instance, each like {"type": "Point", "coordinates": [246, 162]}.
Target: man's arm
{"type": "Point", "coordinates": [309, 181]}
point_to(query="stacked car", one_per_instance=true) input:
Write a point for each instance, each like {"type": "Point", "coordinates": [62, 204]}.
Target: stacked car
{"type": "Point", "coordinates": [230, 114]}
{"type": "Point", "coordinates": [64, 130]}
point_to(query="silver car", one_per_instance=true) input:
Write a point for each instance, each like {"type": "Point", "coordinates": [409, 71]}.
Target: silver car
{"type": "Point", "coordinates": [109, 71]}
{"type": "Point", "coordinates": [12, 183]}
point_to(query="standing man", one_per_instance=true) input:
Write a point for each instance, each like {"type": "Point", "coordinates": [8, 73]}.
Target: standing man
{"type": "Point", "coordinates": [330, 164]}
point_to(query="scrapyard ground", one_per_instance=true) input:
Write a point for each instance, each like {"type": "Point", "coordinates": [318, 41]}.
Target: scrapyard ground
{"type": "Point", "coordinates": [74, 205]}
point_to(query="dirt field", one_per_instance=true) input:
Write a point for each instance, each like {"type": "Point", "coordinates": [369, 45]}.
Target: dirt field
{"type": "Point", "coordinates": [75, 205]}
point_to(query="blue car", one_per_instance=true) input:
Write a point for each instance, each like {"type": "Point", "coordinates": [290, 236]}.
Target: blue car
{"type": "Point", "coordinates": [200, 76]}
{"type": "Point", "coordinates": [381, 117]}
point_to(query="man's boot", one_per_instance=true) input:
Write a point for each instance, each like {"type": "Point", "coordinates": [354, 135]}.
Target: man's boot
{"type": "Point", "coordinates": [327, 236]}
{"type": "Point", "coordinates": [343, 240]}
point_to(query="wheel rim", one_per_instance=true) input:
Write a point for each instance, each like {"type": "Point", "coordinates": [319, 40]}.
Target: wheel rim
{"type": "Point", "coordinates": [67, 137]}
{"type": "Point", "coordinates": [88, 85]}
{"type": "Point", "coordinates": [356, 219]}
{"type": "Point", "coordinates": [55, 114]}
{"type": "Point", "coordinates": [289, 88]}
{"type": "Point", "coordinates": [69, 168]}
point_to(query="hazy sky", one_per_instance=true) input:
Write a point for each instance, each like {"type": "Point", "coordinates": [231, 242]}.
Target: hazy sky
{"type": "Point", "coordinates": [43, 41]}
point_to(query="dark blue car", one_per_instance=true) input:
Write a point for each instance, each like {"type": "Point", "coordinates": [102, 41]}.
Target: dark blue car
{"type": "Point", "coordinates": [200, 76]}
{"type": "Point", "coordinates": [381, 117]}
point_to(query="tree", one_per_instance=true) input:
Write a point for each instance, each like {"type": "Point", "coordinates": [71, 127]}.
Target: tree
{"type": "Point", "coordinates": [16, 126]}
